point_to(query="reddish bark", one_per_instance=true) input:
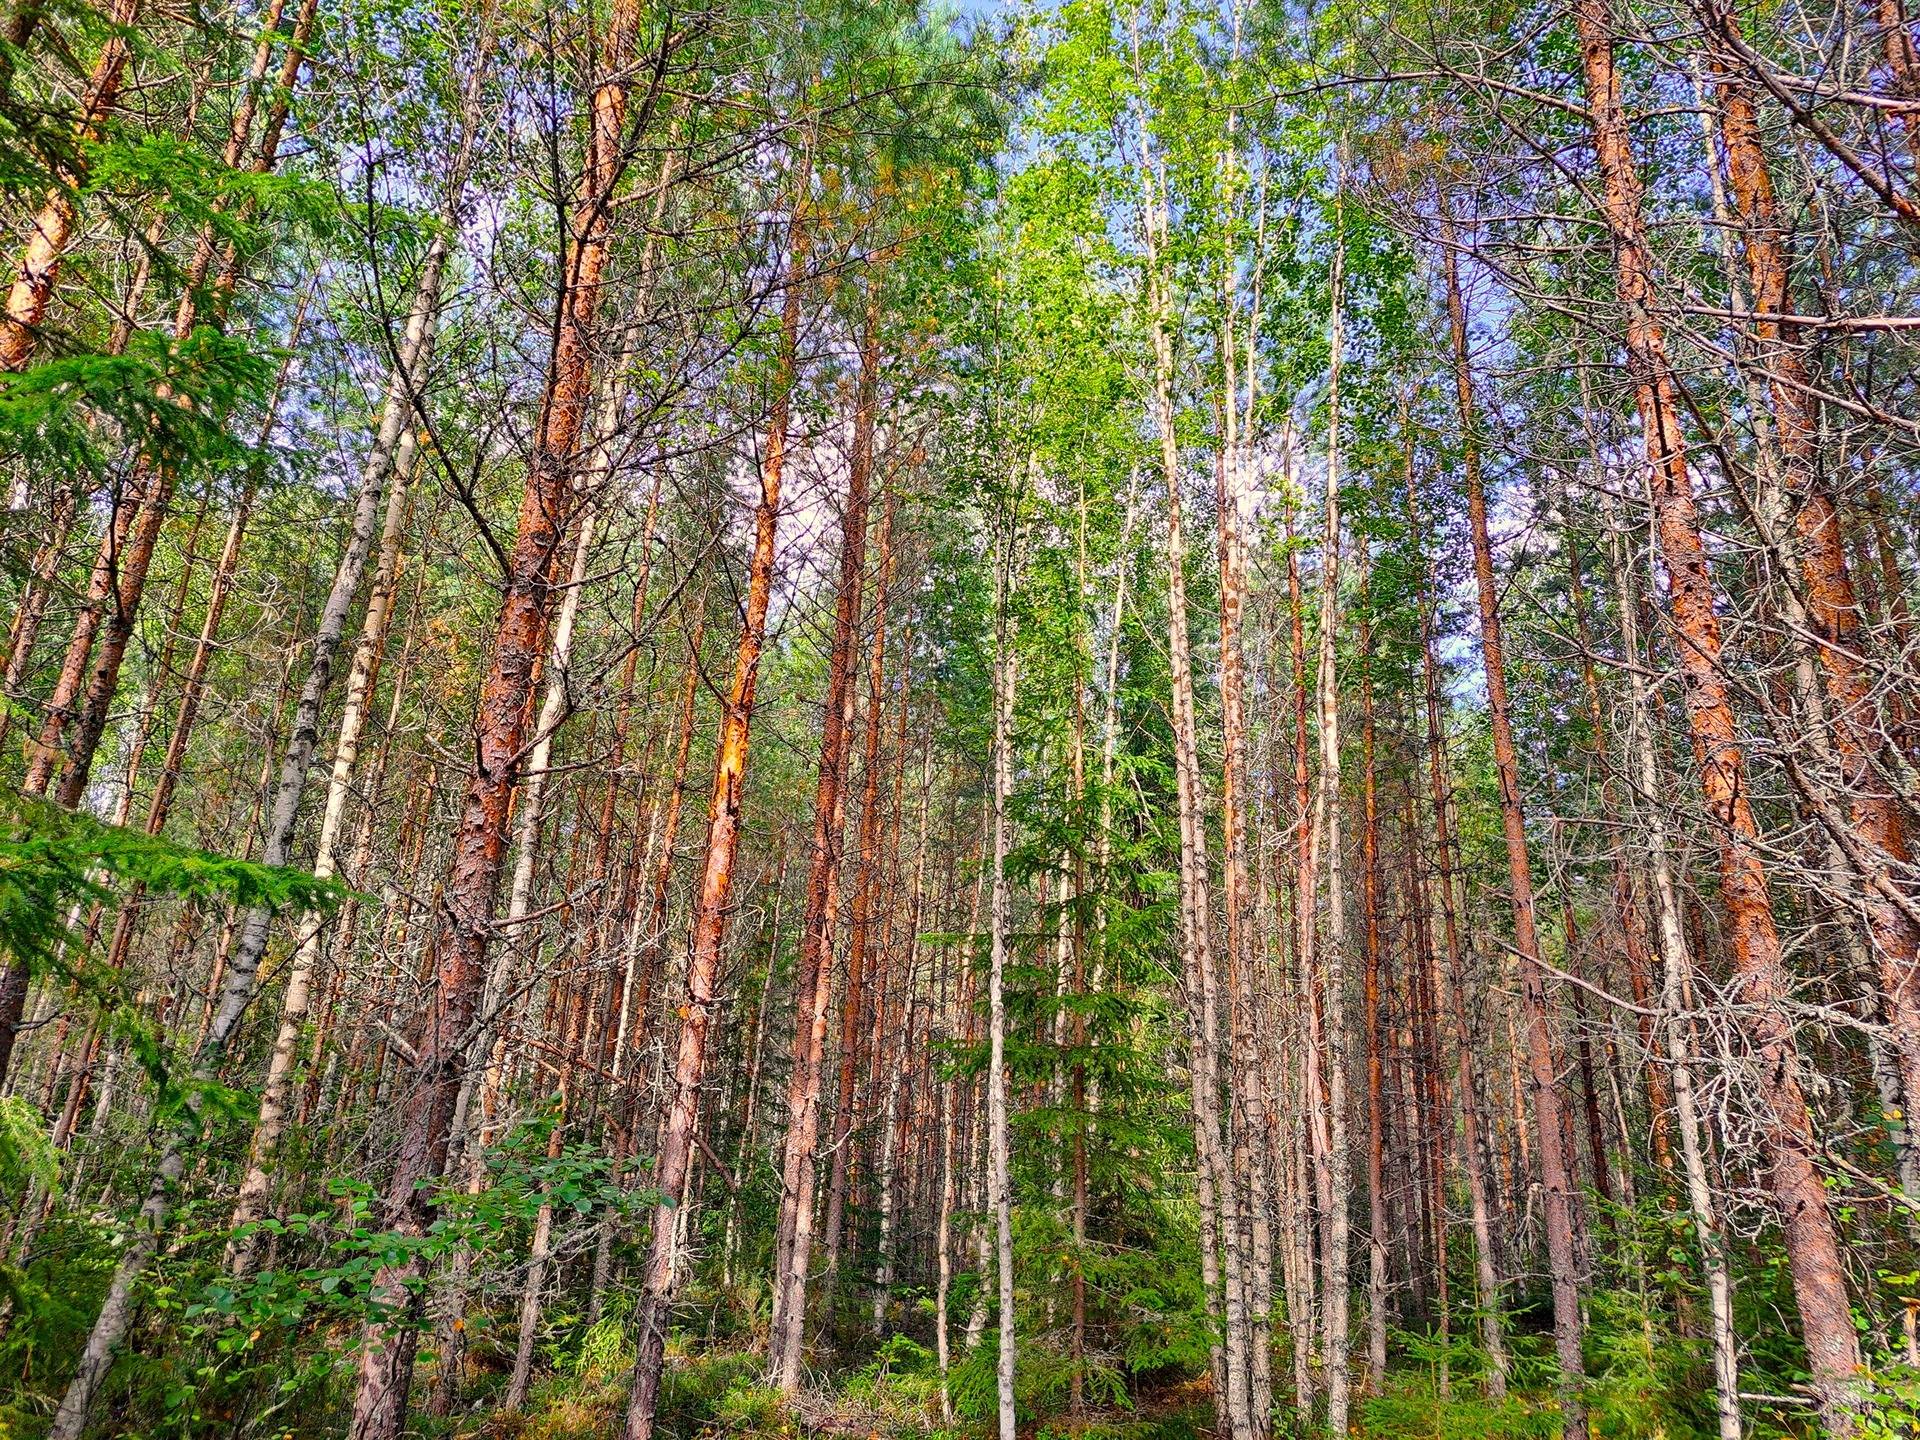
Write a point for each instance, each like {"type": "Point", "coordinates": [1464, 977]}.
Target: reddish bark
{"type": "Point", "coordinates": [860, 924]}
{"type": "Point", "coordinates": [655, 941]}
{"type": "Point", "coordinates": [118, 580]}
{"type": "Point", "coordinates": [52, 227]}
{"type": "Point", "coordinates": [716, 880]}
{"type": "Point", "coordinates": [1813, 1247]}
{"type": "Point", "coordinates": [464, 922]}
{"type": "Point", "coordinates": [813, 986]}
{"type": "Point", "coordinates": [1542, 1067]}
{"type": "Point", "coordinates": [1881, 852]}
{"type": "Point", "coordinates": [1896, 41]}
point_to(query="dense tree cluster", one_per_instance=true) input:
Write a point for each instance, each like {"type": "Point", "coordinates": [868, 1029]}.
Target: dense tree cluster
{"type": "Point", "coordinates": [1115, 716]}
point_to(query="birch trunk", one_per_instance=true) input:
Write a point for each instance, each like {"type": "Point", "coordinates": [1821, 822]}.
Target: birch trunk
{"type": "Point", "coordinates": [1675, 966]}
{"type": "Point", "coordinates": [385, 468]}
{"type": "Point", "coordinates": [1219, 1235]}
{"type": "Point", "coordinates": [1338, 1182]}
{"type": "Point", "coordinates": [1006, 677]}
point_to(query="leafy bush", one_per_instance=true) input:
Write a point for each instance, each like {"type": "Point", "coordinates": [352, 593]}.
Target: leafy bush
{"type": "Point", "coordinates": [1893, 1409]}
{"type": "Point", "coordinates": [1421, 1413]}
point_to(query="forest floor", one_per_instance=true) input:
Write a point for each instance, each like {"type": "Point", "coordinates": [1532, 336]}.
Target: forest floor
{"type": "Point", "coordinates": [719, 1396]}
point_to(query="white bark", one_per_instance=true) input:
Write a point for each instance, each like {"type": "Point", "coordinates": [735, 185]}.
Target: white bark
{"type": "Point", "coordinates": [1675, 965]}
{"type": "Point", "coordinates": [1334, 1263]}
{"type": "Point", "coordinates": [1006, 667]}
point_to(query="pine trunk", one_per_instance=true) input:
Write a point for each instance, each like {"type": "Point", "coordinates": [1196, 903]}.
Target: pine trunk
{"type": "Point", "coordinates": [1813, 1245]}
{"type": "Point", "coordinates": [814, 986]}
{"type": "Point", "coordinates": [1542, 1068]}
{"type": "Point", "coordinates": [709, 922]}
{"type": "Point", "coordinates": [464, 923]}
{"type": "Point", "coordinates": [866, 885]}
{"type": "Point", "coordinates": [51, 229]}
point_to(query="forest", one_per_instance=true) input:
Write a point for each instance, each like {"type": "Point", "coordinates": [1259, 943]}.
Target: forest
{"type": "Point", "coordinates": [1011, 720]}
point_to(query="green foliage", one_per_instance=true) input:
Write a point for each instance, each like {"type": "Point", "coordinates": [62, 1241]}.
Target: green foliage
{"type": "Point", "coordinates": [54, 863]}
{"type": "Point", "coordinates": [749, 1408]}
{"type": "Point", "coordinates": [1892, 1411]}
{"type": "Point", "coordinates": [900, 1384]}
{"type": "Point", "coordinates": [1417, 1412]}
{"type": "Point", "coordinates": [27, 1156]}
{"type": "Point", "coordinates": [52, 860]}
{"type": "Point", "coordinates": [1648, 1381]}
{"type": "Point", "coordinates": [1460, 1357]}
{"type": "Point", "coordinates": [167, 400]}
{"type": "Point", "coordinates": [239, 207]}
{"type": "Point", "coordinates": [973, 1385]}
{"type": "Point", "coordinates": [700, 1394]}
{"type": "Point", "coordinates": [603, 1352]}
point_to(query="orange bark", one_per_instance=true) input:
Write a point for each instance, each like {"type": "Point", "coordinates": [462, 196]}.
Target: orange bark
{"type": "Point", "coordinates": [465, 921]}
{"type": "Point", "coordinates": [814, 982]}
{"type": "Point", "coordinates": [1542, 1068]}
{"type": "Point", "coordinates": [1813, 1246]}
{"type": "Point", "coordinates": [1880, 852]}
{"type": "Point", "coordinates": [860, 928]}
{"type": "Point", "coordinates": [708, 930]}
{"type": "Point", "coordinates": [52, 228]}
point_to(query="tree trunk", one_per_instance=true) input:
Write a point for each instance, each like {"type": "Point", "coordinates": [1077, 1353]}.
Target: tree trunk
{"type": "Point", "coordinates": [464, 925]}
{"type": "Point", "coordinates": [51, 229]}
{"type": "Point", "coordinates": [1006, 662]}
{"type": "Point", "coordinates": [708, 925]}
{"type": "Point", "coordinates": [1541, 1066]}
{"type": "Point", "coordinates": [1300, 941]}
{"type": "Point", "coordinates": [1370, 988]}
{"type": "Point", "coordinates": [385, 470]}
{"type": "Point", "coordinates": [890, 1152]}
{"type": "Point", "coordinates": [1336, 1162]}
{"type": "Point", "coordinates": [814, 983]}
{"type": "Point", "coordinates": [1249, 1112]}
{"type": "Point", "coordinates": [943, 1236]}
{"type": "Point", "coordinates": [1676, 964]}
{"type": "Point", "coordinates": [865, 886]}
{"type": "Point", "coordinates": [1474, 1147]}
{"type": "Point", "coordinates": [1813, 1247]}
{"type": "Point", "coordinates": [1219, 1235]}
